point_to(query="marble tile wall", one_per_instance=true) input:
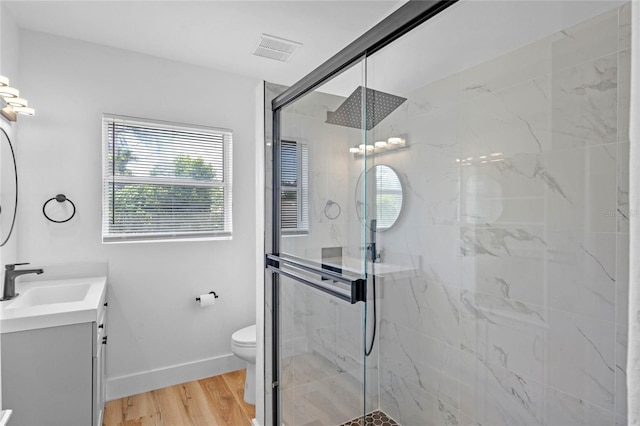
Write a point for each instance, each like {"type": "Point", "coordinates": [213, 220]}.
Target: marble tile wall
{"type": "Point", "coordinates": [517, 204]}
{"type": "Point", "coordinates": [516, 224]}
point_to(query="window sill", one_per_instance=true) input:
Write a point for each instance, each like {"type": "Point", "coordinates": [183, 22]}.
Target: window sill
{"type": "Point", "coordinates": [294, 233]}
{"type": "Point", "coordinates": [134, 240]}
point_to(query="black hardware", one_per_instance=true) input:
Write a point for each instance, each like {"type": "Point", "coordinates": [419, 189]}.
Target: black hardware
{"type": "Point", "coordinates": [15, 174]}
{"type": "Point", "coordinates": [101, 326]}
{"type": "Point", "coordinates": [404, 19]}
{"type": "Point", "coordinates": [106, 304]}
{"type": "Point", "coordinates": [10, 275]}
{"type": "Point", "coordinates": [61, 198]}
{"type": "Point", "coordinates": [211, 292]}
{"type": "Point", "coordinates": [357, 291]}
{"type": "Point", "coordinates": [104, 340]}
{"type": "Point", "coordinates": [327, 210]}
{"type": "Point", "coordinates": [12, 266]}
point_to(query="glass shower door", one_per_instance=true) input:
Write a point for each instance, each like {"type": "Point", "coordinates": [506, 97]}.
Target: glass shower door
{"type": "Point", "coordinates": [320, 278]}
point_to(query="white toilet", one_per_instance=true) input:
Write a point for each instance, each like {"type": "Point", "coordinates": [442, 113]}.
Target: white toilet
{"type": "Point", "coordinates": [243, 345]}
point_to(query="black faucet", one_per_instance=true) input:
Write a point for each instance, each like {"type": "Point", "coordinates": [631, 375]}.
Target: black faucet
{"type": "Point", "coordinates": [10, 274]}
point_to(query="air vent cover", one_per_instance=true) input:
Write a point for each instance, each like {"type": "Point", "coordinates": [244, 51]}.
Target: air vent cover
{"type": "Point", "coordinates": [276, 48]}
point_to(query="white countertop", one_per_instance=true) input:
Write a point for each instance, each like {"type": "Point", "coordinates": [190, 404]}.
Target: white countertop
{"type": "Point", "coordinates": [17, 318]}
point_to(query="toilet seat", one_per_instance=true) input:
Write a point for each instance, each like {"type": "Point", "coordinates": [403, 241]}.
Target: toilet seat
{"type": "Point", "coordinates": [245, 337]}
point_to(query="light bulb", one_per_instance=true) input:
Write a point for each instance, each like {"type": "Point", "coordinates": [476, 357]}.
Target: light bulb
{"type": "Point", "coordinates": [380, 144]}
{"type": "Point", "coordinates": [370, 147]}
{"type": "Point", "coordinates": [395, 141]}
{"type": "Point", "coordinates": [24, 110]}
{"type": "Point", "coordinates": [354, 150]}
{"type": "Point", "coordinates": [17, 102]}
{"type": "Point", "coordinates": [8, 92]}
{"type": "Point", "coordinates": [4, 81]}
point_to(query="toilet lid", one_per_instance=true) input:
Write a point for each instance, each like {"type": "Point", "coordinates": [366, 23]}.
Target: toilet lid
{"type": "Point", "coordinates": [245, 336]}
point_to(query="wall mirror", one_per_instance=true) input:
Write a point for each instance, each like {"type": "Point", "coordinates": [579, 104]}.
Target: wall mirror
{"type": "Point", "coordinates": [9, 193]}
{"type": "Point", "coordinates": [383, 199]}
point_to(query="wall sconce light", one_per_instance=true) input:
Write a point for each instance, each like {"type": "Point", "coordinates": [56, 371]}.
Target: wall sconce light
{"type": "Point", "coordinates": [17, 102]}
{"type": "Point", "coordinates": [396, 141]}
{"type": "Point", "coordinates": [12, 104]}
{"type": "Point", "coordinates": [379, 147]}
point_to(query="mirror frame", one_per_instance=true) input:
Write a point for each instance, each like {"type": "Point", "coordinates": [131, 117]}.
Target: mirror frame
{"type": "Point", "coordinates": [15, 174]}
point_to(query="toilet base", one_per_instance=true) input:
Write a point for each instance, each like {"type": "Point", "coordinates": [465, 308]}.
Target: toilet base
{"type": "Point", "coordinates": [250, 384]}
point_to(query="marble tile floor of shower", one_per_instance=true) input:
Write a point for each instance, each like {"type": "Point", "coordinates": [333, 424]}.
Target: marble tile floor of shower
{"type": "Point", "coordinates": [318, 392]}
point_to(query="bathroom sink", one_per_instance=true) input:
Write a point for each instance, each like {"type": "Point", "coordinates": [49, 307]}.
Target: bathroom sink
{"type": "Point", "coordinates": [51, 294]}
{"type": "Point", "coordinates": [42, 304]}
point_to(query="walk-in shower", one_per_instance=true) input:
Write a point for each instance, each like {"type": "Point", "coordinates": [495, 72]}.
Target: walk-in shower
{"type": "Point", "coordinates": [501, 227]}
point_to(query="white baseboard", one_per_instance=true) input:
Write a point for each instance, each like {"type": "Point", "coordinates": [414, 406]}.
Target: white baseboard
{"type": "Point", "coordinates": [132, 384]}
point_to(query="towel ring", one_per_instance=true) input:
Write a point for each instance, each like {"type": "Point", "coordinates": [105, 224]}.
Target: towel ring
{"type": "Point", "coordinates": [328, 207]}
{"type": "Point", "coordinates": [61, 198]}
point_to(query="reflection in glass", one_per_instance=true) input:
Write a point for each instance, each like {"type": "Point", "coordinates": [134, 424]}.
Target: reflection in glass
{"type": "Point", "coordinates": [386, 195]}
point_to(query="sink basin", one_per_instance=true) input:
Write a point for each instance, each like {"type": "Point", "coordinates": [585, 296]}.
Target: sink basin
{"type": "Point", "coordinates": [51, 294]}
{"type": "Point", "coordinates": [52, 303]}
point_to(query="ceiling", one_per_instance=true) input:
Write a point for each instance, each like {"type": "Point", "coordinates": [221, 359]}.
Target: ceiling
{"type": "Point", "coordinates": [223, 34]}
{"type": "Point", "coordinates": [214, 34]}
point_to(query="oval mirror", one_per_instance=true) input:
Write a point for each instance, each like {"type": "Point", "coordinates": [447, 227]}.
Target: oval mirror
{"type": "Point", "coordinates": [383, 198]}
{"type": "Point", "coordinates": [9, 197]}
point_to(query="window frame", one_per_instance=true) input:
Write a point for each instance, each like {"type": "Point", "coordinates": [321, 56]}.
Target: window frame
{"type": "Point", "coordinates": [109, 178]}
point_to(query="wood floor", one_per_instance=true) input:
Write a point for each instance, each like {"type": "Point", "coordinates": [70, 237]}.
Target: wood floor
{"type": "Point", "coordinates": [214, 401]}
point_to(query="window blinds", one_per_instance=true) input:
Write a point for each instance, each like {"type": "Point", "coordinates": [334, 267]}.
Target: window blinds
{"type": "Point", "coordinates": [295, 186]}
{"type": "Point", "coordinates": [388, 197]}
{"type": "Point", "coordinates": [165, 181]}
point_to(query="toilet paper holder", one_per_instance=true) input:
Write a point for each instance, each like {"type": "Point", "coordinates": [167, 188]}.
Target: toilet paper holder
{"type": "Point", "coordinates": [211, 292]}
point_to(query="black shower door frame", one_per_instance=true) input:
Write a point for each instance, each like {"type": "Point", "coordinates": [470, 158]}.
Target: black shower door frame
{"type": "Point", "coordinates": [403, 20]}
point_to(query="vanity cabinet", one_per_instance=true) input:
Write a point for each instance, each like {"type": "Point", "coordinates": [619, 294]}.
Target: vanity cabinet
{"type": "Point", "coordinates": [55, 376]}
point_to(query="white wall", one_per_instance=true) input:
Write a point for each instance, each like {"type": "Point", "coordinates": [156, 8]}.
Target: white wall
{"type": "Point", "coordinates": [8, 67]}
{"type": "Point", "coordinates": [157, 333]}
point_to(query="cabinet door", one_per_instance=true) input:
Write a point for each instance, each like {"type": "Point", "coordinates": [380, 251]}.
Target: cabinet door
{"type": "Point", "coordinates": [46, 375]}
{"type": "Point", "coordinates": [99, 369]}
{"type": "Point", "coordinates": [96, 391]}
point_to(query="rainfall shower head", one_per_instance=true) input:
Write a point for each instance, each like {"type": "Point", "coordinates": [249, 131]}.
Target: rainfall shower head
{"type": "Point", "coordinates": [379, 105]}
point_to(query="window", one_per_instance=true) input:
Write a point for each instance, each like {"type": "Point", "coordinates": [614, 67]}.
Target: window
{"type": "Point", "coordinates": [164, 181]}
{"type": "Point", "coordinates": [295, 188]}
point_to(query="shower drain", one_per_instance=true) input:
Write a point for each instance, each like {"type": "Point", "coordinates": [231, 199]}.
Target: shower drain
{"type": "Point", "coordinates": [375, 418]}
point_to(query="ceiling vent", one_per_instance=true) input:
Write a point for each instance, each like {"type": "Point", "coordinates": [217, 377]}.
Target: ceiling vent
{"type": "Point", "coordinates": [276, 48]}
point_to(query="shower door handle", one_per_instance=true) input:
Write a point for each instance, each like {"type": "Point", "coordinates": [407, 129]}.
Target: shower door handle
{"type": "Point", "coordinates": [350, 289]}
